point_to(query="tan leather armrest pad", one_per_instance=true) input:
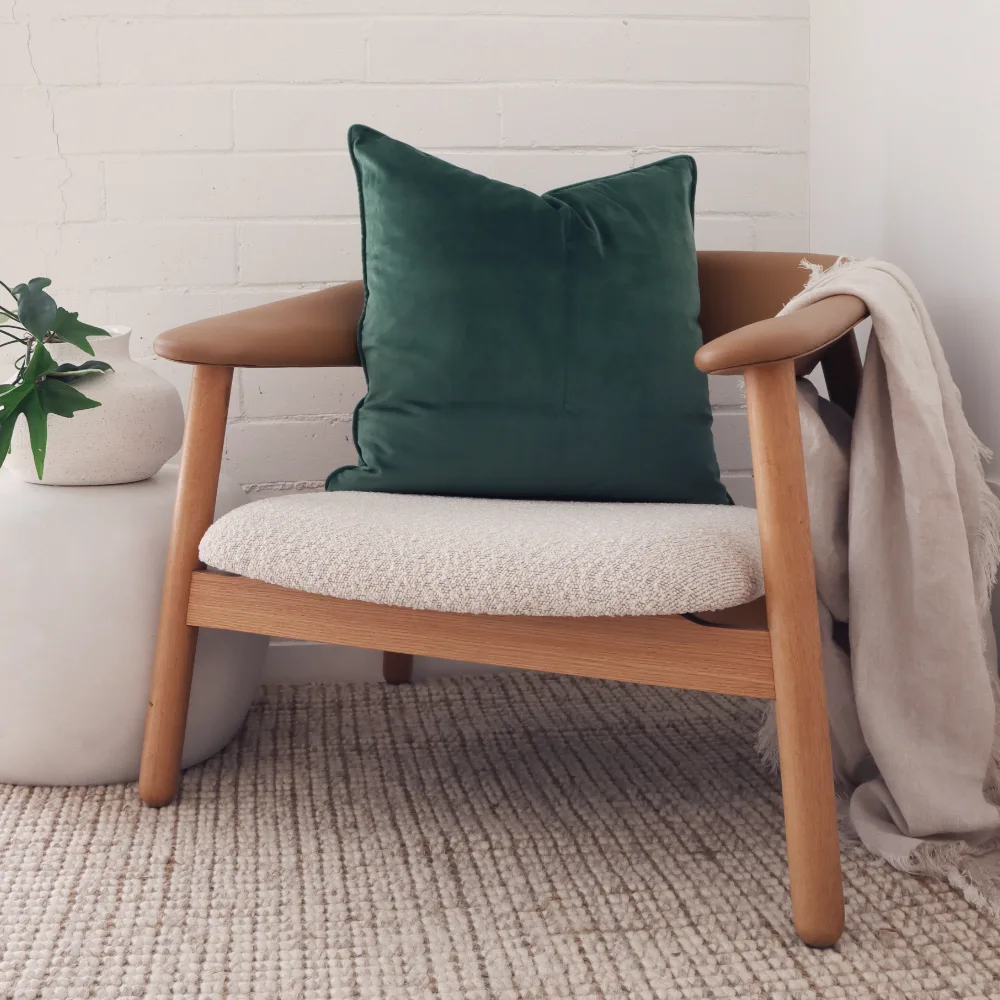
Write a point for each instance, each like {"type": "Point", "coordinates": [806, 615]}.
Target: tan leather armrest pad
{"type": "Point", "coordinates": [307, 331]}
{"type": "Point", "coordinates": [797, 335]}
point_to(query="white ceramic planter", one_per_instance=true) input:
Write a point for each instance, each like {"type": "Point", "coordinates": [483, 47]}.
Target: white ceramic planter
{"type": "Point", "coordinates": [84, 567]}
{"type": "Point", "coordinates": [137, 427]}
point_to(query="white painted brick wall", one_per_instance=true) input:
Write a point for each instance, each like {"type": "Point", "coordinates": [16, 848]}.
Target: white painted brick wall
{"type": "Point", "coordinates": [165, 160]}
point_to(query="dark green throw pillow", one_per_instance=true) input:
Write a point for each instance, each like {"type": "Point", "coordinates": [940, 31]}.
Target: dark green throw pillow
{"type": "Point", "coordinates": [523, 345]}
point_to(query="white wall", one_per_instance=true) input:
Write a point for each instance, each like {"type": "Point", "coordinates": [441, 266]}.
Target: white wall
{"type": "Point", "coordinates": [904, 165]}
{"type": "Point", "coordinates": [905, 161]}
{"type": "Point", "coordinates": [165, 160]}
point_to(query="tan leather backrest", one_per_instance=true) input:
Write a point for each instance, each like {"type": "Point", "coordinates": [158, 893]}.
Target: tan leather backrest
{"type": "Point", "coordinates": [737, 288]}
{"type": "Point", "coordinates": [740, 287]}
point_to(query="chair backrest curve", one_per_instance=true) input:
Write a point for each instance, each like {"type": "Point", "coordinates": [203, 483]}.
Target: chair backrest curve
{"type": "Point", "coordinates": [740, 287]}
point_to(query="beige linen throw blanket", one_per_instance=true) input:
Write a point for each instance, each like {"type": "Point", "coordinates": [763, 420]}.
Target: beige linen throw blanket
{"type": "Point", "coordinates": [907, 539]}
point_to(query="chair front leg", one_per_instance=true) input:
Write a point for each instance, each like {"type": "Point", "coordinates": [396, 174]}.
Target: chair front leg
{"type": "Point", "coordinates": [796, 651]}
{"type": "Point", "coordinates": [194, 509]}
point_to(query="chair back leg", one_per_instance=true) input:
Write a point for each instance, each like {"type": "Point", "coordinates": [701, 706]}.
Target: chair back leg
{"type": "Point", "coordinates": [194, 509]}
{"type": "Point", "coordinates": [397, 668]}
{"type": "Point", "coordinates": [793, 623]}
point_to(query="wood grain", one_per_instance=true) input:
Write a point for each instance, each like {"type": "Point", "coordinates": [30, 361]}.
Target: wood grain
{"type": "Point", "coordinates": [664, 650]}
{"type": "Point", "coordinates": [793, 623]}
{"type": "Point", "coordinates": [173, 662]}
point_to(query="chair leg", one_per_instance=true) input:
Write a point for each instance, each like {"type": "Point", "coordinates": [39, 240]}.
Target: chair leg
{"type": "Point", "coordinates": [194, 508]}
{"type": "Point", "coordinates": [397, 668]}
{"type": "Point", "coordinates": [811, 834]}
{"type": "Point", "coordinates": [793, 623]}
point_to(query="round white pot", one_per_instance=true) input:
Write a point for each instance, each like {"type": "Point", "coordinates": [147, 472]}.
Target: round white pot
{"type": "Point", "coordinates": [137, 427]}
{"type": "Point", "coordinates": [78, 626]}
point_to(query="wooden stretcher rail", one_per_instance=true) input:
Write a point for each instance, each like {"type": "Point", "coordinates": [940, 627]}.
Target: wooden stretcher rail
{"type": "Point", "coordinates": [666, 650]}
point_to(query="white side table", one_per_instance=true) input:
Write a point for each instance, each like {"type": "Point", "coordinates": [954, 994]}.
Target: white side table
{"type": "Point", "coordinates": [82, 570]}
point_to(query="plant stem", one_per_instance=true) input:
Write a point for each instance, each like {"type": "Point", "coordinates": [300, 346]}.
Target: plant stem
{"type": "Point", "coordinates": [8, 289]}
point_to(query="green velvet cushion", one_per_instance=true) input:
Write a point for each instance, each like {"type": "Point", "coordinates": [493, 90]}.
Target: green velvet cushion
{"type": "Point", "coordinates": [518, 345]}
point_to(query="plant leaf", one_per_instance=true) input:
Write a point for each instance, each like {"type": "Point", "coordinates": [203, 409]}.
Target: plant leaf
{"type": "Point", "coordinates": [7, 422]}
{"type": "Point", "coordinates": [63, 400]}
{"type": "Point", "coordinates": [34, 413]}
{"type": "Point", "coordinates": [36, 309]}
{"type": "Point", "coordinates": [37, 282]}
{"type": "Point", "coordinates": [67, 327]}
{"type": "Point", "coordinates": [72, 372]}
{"type": "Point", "coordinates": [11, 397]}
{"type": "Point", "coordinates": [40, 364]}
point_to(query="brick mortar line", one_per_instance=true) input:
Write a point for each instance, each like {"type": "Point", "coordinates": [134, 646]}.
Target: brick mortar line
{"type": "Point", "coordinates": [611, 83]}
{"type": "Point", "coordinates": [330, 419]}
{"type": "Point", "coordinates": [251, 151]}
{"type": "Point", "coordinates": [342, 152]}
{"type": "Point", "coordinates": [343, 221]}
{"type": "Point", "coordinates": [124, 19]}
{"type": "Point", "coordinates": [318, 220]}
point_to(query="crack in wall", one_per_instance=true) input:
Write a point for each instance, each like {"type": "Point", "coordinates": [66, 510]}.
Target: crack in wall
{"type": "Point", "coordinates": [68, 176]}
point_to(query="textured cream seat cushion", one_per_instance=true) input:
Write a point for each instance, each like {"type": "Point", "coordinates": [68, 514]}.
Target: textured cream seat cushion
{"type": "Point", "coordinates": [500, 557]}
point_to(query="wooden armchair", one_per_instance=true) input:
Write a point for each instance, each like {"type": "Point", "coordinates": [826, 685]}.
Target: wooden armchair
{"type": "Point", "coordinates": [750, 650]}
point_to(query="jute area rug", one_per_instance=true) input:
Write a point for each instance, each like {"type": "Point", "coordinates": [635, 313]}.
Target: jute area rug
{"type": "Point", "coordinates": [490, 837]}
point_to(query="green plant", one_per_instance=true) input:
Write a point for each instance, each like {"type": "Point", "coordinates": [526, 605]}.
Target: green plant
{"type": "Point", "coordinates": [40, 386]}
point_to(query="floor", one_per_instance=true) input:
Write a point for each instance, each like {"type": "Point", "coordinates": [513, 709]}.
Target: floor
{"type": "Point", "coordinates": [505, 836]}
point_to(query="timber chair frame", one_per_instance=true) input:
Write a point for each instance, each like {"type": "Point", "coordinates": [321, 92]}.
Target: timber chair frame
{"type": "Point", "coordinates": [755, 651]}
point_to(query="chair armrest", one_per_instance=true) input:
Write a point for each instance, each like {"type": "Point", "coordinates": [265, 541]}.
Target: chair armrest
{"type": "Point", "coordinates": [799, 336]}
{"type": "Point", "coordinates": [307, 331]}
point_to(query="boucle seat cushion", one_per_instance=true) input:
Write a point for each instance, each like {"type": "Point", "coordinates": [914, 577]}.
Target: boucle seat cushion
{"type": "Point", "coordinates": [500, 557]}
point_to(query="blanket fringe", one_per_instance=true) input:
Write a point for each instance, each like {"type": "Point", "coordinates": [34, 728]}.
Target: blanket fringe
{"type": "Point", "coordinates": [974, 873]}
{"type": "Point", "coordinates": [818, 271]}
{"type": "Point", "coordinates": [767, 739]}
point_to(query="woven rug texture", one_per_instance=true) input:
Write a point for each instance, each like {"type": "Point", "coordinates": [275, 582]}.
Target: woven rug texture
{"type": "Point", "coordinates": [486, 838]}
